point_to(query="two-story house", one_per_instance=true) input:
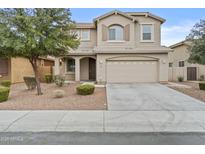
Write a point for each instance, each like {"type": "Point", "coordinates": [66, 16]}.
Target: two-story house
{"type": "Point", "coordinates": [179, 65]}
{"type": "Point", "coordinates": [118, 47]}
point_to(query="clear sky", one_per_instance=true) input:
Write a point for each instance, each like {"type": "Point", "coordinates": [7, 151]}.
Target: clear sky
{"type": "Point", "coordinates": [176, 28]}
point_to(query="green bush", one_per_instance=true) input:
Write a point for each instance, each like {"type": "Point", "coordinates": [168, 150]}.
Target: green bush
{"type": "Point", "coordinates": [6, 83]}
{"type": "Point", "coordinates": [202, 78]}
{"type": "Point", "coordinates": [180, 79]}
{"type": "Point", "coordinates": [48, 78]}
{"type": "Point", "coordinates": [202, 85]}
{"type": "Point", "coordinates": [30, 82]}
{"type": "Point", "coordinates": [85, 89]}
{"type": "Point", "coordinates": [4, 94]}
{"type": "Point", "coordinates": [59, 80]}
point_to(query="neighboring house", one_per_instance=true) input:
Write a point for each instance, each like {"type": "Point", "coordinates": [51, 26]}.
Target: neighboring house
{"type": "Point", "coordinates": [118, 47]}
{"type": "Point", "coordinates": [179, 65]}
{"type": "Point", "coordinates": [15, 69]}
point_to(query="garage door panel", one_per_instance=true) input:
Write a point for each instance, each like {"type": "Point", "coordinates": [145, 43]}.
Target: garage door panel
{"type": "Point", "coordinates": [131, 71]}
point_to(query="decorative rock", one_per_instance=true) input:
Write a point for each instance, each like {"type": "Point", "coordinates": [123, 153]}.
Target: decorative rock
{"type": "Point", "coordinates": [58, 93]}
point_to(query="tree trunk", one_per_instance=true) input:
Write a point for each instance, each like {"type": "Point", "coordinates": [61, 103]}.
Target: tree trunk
{"type": "Point", "coordinates": [35, 69]}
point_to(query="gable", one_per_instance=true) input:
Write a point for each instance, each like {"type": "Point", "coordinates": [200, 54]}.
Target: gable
{"type": "Point", "coordinates": [114, 13]}
{"type": "Point", "coordinates": [115, 19]}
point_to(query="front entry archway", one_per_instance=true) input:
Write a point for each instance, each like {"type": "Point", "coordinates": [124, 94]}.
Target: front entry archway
{"type": "Point", "coordinates": [87, 69]}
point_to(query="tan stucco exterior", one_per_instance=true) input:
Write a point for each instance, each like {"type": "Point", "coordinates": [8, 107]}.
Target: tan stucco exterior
{"type": "Point", "coordinates": [131, 48]}
{"type": "Point", "coordinates": [181, 53]}
{"type": "Point", "coordinates": [135, 32]}
{"type": "Point", "coordinates": [90, 44]}
{"type": "Point", "coordinates": [19, 67]}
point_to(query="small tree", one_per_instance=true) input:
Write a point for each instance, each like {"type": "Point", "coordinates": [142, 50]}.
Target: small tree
{"type": "Point", "coordinates": [32, 33]}
{"type": "Point", "coordinates": [197, 37]}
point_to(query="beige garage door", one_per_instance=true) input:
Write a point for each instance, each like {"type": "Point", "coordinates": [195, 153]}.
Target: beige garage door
{"type": "Point", "coordinates": [132, 71]}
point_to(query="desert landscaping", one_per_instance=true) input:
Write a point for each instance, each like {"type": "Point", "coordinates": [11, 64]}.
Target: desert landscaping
{"type": "Point", "coordinates": [20, 98]}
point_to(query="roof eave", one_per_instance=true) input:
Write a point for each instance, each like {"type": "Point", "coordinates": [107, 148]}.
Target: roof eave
{"type": "Point", "coordinates": [179, 44]}
{"type": "Point", "coordinates": [162, 20]}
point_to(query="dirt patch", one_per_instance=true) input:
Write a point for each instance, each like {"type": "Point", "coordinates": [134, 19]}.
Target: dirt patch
{"type": "Point", "coordinates": [193, 91]}
{"type": "Point", "coordinates": [22, 99]}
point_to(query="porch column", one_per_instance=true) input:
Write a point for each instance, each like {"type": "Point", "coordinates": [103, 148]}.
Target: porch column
{"type": "Point", "coordinates": [77, 69]}
{"type": "Point", "coordinates": [57, 66]}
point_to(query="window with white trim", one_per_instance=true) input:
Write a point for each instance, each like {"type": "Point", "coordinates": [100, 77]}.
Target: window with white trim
{"type": "Point", "coordinates": [83, 34]}
{"type": "Point", "coordinates": [115, 33]}
{"type": "Point", "coordinates": [147, 31]}
{"type": "Point", "coordinates": [181, 63]}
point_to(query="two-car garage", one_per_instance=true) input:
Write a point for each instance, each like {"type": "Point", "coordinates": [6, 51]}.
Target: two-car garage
{"type": "Point", "coordinates": [126, 71]}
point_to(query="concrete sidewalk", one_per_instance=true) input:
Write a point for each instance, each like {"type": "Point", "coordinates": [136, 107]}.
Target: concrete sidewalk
{"type": "Point", "coordinates": [102, 121]}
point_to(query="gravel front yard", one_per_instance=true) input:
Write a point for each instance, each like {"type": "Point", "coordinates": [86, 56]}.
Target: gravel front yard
{"type": "Point", "coordinates": [192, 90]}
{"type": "Point", "coordinates": [22, 99]}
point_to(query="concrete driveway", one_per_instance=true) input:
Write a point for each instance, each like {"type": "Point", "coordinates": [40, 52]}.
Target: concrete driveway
{"type": "Point", "coordinates": [149, 97]}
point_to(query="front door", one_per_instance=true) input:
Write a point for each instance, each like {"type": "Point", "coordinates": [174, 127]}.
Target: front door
{"type": "Point", "coordinates": [191, 73]}
{"type": "Point", "coordinates": [92, 69]}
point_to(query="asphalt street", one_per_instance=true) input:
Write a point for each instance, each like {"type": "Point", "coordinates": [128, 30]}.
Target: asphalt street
{"type": "Point", "coordinates": [77, 138]}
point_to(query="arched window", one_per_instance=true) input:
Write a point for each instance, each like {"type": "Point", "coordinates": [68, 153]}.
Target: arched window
{"type": "Point", "coordinates": [116, 32]}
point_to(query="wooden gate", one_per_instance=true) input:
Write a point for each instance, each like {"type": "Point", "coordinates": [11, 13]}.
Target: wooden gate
{"type": "Point", "coordinates": [191, 73]}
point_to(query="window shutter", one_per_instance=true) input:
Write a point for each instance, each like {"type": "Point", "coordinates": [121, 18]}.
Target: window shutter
{"type": "Point", "coordinates": [127, 33]}
{"type": "Point", "coordinates": [104, 33]}
{"type": "Point", "coordinates": [4, 66]}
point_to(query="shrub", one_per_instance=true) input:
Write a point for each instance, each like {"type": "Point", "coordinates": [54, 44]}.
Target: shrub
{"type": "Point", "coordinates": [30, 82]}
{"type": "Point", "coordinates": [59, 81]}
{"type": "Point", "coordinates": [58, 93]}
{"type": "Point", "coordinates": [85, 89]}
{"type": "Point", "coordinates": [6, 83]}
{"type": "Point", "coordinates": [201, 78]}
{"type": "Point", "coordinates": [180, 79]}
{"type": "Point", "coordinates": [48, 78]}
{"type": "Point", "coordinates": [202, 85]}
{"type": "Point", "coordinates": [4, 94]}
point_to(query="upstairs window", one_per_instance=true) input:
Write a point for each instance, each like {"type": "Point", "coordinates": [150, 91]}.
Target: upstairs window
{"type": "Point", "coordinates": [83, 34]}
{"type": "Point", "coordinates": [147, 32]}
{"type": "Point", "coordinates": [181, 63]}
{"type": "Point", "coordinates": [170, 64]}
{"type": "Point", "coordinates": [115, 33]}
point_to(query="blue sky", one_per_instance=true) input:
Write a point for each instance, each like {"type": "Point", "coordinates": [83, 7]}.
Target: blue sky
{"type": "Point", "coordinates": [176, 28]}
